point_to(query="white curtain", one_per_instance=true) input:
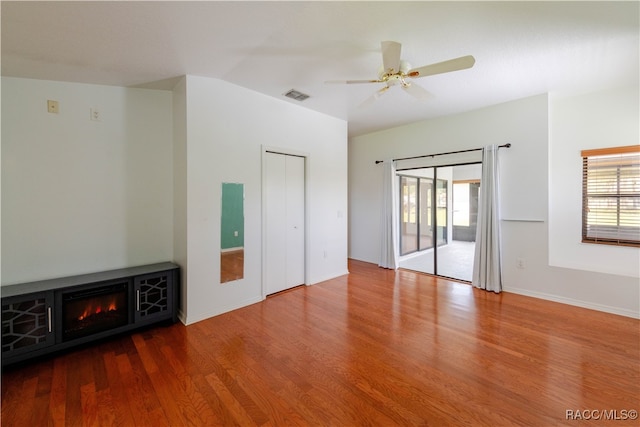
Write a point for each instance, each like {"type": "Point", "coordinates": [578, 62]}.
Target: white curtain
{"type": "Point", "coordinates": [487, 263]}
{"type": "Point", "coordinates": [389, 217]}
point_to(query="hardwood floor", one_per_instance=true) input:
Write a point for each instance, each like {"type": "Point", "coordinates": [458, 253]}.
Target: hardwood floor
{"type": "Point", "coordinates": [375, 347]}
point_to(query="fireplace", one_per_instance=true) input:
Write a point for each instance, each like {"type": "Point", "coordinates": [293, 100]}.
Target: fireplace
{"type": "Point", "coordinates": [91, 311]}
{"type": "Point", "coordinates": [46, 316]}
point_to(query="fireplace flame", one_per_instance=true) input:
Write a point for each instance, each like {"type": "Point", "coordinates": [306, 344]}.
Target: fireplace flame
{"type": "Point", "coordinates": [94, 307]}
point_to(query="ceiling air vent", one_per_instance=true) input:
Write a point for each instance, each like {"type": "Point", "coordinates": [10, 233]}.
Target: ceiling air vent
{"type": "Point", "coordinates": [297, 95]}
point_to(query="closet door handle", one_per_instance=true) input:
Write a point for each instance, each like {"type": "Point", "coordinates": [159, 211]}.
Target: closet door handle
{"type": "Point", "coordinates": [137, 299]}
{"type": "Point", "coordinates": [49, 327]}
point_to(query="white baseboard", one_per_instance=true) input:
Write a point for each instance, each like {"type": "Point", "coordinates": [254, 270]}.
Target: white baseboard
{"type": "Point", "coordinates": [329, 277]}
{"type": "Point", "coordinates": [578, 303]}
{"type": "Point", "coordinates": [197, 318]}
{"type": "Point", "coordinates": [203, 316]}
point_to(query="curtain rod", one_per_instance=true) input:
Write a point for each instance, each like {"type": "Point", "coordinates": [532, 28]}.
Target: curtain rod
{"type": "Point", "coordinates": [507, 145]}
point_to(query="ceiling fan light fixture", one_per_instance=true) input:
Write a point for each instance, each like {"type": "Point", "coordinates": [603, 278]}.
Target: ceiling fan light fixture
{"type": "Point", "coordinates": [394, 71]}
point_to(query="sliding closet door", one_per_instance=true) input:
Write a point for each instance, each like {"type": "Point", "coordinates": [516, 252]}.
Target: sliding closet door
{"type": "Point", "coordinates": [294, 167]}
{"type": "Point", "coordinates": [284, 222]}
{"type": "Point", "coordinates": [275, 222]}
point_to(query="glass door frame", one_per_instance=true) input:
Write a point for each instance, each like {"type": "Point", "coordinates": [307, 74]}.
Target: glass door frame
{"type": "Point", "coordinates": [434, 210]}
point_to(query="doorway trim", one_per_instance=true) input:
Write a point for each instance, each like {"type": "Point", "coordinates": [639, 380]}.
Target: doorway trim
{"type": "Point", "coordinates": [286, 152]}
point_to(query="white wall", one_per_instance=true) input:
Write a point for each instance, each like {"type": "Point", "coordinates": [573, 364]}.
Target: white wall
{"type": "Point", "coordinates": [226, 127]}
{"type": "Point", "coordinates": [79, 195]}
{"type": "Point", "coordinates": [525, 181]}
{"type": "Point", "coordinates": [597, 120]}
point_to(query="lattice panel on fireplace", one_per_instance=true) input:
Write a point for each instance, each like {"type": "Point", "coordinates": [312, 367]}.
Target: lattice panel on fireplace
{"type": "Point", "coordinates": [153, 295]}
{"type": "Point", "coordinates": [24, 324]}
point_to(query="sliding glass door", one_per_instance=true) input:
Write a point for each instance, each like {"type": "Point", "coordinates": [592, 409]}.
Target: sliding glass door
{"type": "Point", "coordinates": [442, 211]}
{"type": "Point", "coordinates": [439, 205]}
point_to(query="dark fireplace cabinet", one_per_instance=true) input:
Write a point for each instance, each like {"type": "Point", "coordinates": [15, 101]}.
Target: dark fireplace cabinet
{"type": "Point", "coordinates": [50, 315]}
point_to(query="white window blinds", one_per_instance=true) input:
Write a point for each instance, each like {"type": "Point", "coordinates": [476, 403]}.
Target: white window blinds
{"type": "Point", "coordinates": [611, 196]}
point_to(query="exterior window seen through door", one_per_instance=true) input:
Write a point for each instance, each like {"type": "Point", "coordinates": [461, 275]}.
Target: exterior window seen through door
{"type": "Point", "coordinates": [417, 216]}
{"type": "Point", "coordinates": [408, 214]}
{"type": "Point", "coordinates": [465, 210]}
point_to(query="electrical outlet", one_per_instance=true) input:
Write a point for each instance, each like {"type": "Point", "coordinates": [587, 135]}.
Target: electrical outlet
{"type": "Point", "coordinates": [94, 115]}
{"type": "Point", "coordinates": [235, 234]}
{"type": "Point", "coordinates": [52, 106]}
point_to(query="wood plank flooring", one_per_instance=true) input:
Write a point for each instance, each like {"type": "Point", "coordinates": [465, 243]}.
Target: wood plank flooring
{"type": "Point", "coordinates": [376, 347]}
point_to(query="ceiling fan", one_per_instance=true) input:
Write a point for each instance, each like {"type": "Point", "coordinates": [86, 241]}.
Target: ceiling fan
{"type": "Point", "coordinates": [395, 71]}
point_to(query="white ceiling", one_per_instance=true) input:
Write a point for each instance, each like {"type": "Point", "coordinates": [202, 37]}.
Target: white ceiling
{"type": "Point", "coordinates": [521, 49]}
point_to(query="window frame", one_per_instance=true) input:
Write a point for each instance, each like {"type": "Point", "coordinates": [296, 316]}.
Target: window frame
{"type": "Point", "coordinates": [589, 158]}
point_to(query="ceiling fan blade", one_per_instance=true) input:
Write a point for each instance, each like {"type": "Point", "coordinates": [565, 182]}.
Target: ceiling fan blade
{"type": "Point", "coordinates": [391, 56]}
{"type": "Point", "coordinates": [370, 100]}
{"type": "Point", "coordinates": [417, 92]}
{"type": "Point", "coordinates": [456, 64]}
{"type": "Point", "coordinates": [349, 82]}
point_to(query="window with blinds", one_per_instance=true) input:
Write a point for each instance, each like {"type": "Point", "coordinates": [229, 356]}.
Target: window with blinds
{"type": "Point", "coordinates": [611, 196]}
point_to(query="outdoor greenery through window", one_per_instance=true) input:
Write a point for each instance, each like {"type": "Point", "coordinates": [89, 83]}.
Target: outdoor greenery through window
{"type": "Point", "coordinates": [611, 196]}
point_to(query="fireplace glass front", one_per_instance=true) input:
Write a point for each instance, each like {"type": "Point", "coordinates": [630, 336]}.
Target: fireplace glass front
{"type": "Point", "coordinates": [90, 311]}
